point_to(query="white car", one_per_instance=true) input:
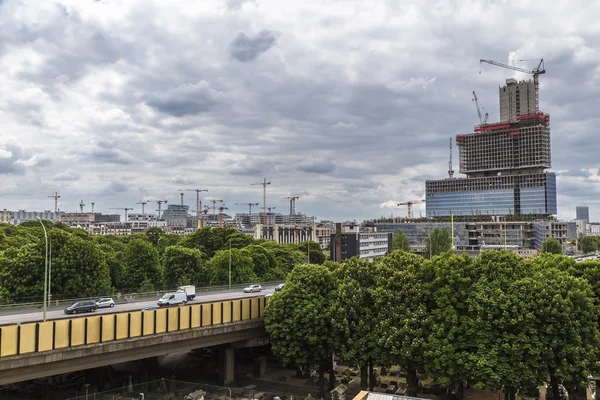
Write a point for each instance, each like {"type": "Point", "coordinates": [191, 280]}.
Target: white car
{"type": "Point", "coordinates": [105, 302]}
{"type": "Point", "coordinates": [253, 288]}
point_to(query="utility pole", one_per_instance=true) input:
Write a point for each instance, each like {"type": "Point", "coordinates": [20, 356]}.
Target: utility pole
{"type": "Point", "coordinates": [264, 184]}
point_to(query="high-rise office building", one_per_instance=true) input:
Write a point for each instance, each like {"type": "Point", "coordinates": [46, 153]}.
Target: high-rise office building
{"type": "Point", "coordinates": [582, 213]}
{"type": "Point", "coordinates": [505, 164]}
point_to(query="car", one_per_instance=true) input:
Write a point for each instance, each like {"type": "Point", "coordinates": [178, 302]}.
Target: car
{"type": "Point", "coordinates": [598, 255]}
{"type": "Point", "coordinates": [279, 287]}
{"type": "Point", "coordinates": [81, 306]}
{"type": "Point", "coordinates": [105, 302]}
{"type": "Point", "coordinates": [149, 308]}
{"type": "Point", "coordinates": [252, 289]}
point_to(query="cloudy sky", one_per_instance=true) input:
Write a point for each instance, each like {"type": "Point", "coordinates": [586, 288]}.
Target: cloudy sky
{"type": "Point", "coordinates": [348, 104]}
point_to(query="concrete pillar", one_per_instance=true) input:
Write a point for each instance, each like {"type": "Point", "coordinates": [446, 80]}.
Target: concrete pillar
{"type": "Point", "coordinates": [260, 367]}
{"type": "Point", "coordinates": [226, 366]}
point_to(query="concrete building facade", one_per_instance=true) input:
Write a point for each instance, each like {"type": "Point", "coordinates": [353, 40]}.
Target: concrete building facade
{"type": "Point", "coordinates": [348, 241]}
{"type": "Point", "coordinates": [504, 164]}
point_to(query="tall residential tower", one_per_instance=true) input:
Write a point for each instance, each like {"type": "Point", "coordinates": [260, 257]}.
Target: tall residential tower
{"type": "Point", "coordinates": [505, 163]}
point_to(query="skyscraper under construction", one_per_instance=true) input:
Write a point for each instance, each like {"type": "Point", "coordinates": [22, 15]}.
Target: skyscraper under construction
{"type": "Point", "coordinates": [505, 163]}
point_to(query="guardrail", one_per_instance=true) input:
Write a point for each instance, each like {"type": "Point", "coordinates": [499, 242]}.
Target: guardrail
{"type": "Point", "coordinates": [124, 298]}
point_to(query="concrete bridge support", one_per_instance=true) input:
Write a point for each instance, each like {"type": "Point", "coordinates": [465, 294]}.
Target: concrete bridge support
{"type": "Point", "coordinates": [226, 365]}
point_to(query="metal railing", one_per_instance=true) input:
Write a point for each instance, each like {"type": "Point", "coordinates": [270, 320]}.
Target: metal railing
{"type": "Point", "coordinates": [125, 298]}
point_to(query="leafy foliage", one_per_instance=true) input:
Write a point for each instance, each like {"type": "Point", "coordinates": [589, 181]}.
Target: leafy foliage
{"type": "Point", "coordinates": [400, 242]}
{"type": "Point", "coordinates": [141, 265]}
{"type": "Point", "coordinates": [183, 266]}
{"type": "Point", "coordinates": [551, 245]}
{"type": "Point", "coordinates": [438, 242]}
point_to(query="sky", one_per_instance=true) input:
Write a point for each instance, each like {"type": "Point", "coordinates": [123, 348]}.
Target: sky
{"type": "Point", "coordinates": [348, 104]}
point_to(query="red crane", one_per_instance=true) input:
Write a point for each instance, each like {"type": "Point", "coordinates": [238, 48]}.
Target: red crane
{"type": "Point", "coordinates": [535, 72]}
{"type": "Point", "coordinates": [409, 205]}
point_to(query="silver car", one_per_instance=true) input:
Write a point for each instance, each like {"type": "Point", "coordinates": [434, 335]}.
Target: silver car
{"type": "Point", "coordinates": [105, 302]}
{"type": "Point", "coordinates": [253, 288]}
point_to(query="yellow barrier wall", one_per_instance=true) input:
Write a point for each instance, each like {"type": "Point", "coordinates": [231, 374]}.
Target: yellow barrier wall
{"type": "Point", "coordinates": [216, 317]}
{"type": "Point", "coordinates": [46, 335]}
{"type": "Point", "coordinates": [245, 309]}
{"type": "Point", "coordinates": [77, 331]}
{"type": "Point", "coordinates": [93, 330]}
{"type": "Point", "coordinates": [27, 338]}
{"type": "Point", "coordinates": [148, 322]}
{"type": "Point", "coordinates": [226, 311]}
{"type": "Point", "coordinates": [195, 310]}
{"type": "Point", "coordinates": [62, 333]}
{"type": "Point", "coordinates": [122, 325]}
{"type": "Point", "coordinates": [237, 310]}
{"type": "Point", "coordinates": [173, 319]}
{"type": "Point", "coordinates": [206, 317]}
{"type": "Point", "coordinates": [8, 343]}
{"type": "Point", "coordinates": [184, 317]}
{"type": "Point", "coordinates": [108, 327]}
{"type": "Point", "coordinates": [161, 320]}
{"type": "Point", "coordinates": [255, 307]}
{"type": "Point", "coordinates": [135, 324]}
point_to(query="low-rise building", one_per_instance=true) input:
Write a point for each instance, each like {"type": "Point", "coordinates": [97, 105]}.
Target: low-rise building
{"type": "Point", "coordinates": [348, 241]}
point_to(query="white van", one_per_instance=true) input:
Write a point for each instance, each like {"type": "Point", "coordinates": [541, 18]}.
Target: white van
{"type": "Point", "coordinates": [172, 298]}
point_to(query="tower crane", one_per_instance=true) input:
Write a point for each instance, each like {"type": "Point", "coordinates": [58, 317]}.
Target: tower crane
{"type": "Point", "coordinates": [264, 184]}
{"type": "Point", "coordinates": [409, 205]}
{"type": "Point", "coordinates": [536, 72]}
{"type": "Point", "coordinates": [143, 203]}
{"type": "Point", "coordinates": [160, 202]}
{"type": "Point", "coordinates": [221, 209]}
{"type": "Point", "coordinates": [271, 208]}
{"type": "Point", "coordinates": [292, 200]}
{"type": "Point", "coordinates": [81, 205]}
{"type": "Point", "coordinates": [250, 205]}
{"type": "Point", "coordinates": [93, 207]}
{"type": "Point", "coordinates": [55, 197]}
{"type": "Point", "coordinates": [214, 201]}
{"type": "Point", "coordinates": [198, 199]}
{"type": "Point", "coordinates": [124, 209]}
{"type": "Point", "coordinates": [483, 120]}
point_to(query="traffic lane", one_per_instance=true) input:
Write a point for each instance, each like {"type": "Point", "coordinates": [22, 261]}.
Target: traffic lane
{"type": "Point", "coordinates": [60, 314]}
{"type": "Point", "coordinates": [199, 295]}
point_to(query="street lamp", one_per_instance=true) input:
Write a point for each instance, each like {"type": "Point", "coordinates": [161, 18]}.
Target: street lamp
{"type": "Point", "coordinates": [428, 238]}
{"type": "Point", "coordinates": [45, 268]}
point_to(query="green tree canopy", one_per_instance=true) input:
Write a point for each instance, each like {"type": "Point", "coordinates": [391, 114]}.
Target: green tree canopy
{"type": "Point", "coordinates": [167, 240]}
{"type": "Point", "coordinates": [183, 266]}
{"type": "Point", "coordinates": [314, 249]}
{"type": "Point", "coordinates": [400, 242]}
{"type": "Point", "coordinates": [438, 242]}
{"type": "Point", "coordinates": [154, 234]}
{"type": "Point", "coordinates": [299, 319]}
{"type": "Point", "coordinates": [588, 244]}
{"type": "Point", "coordinates": [242, 270]}
{"type": "Point", "coordinates": [551, 245]}
{"type": "Point", "coordinates": [141, 263]}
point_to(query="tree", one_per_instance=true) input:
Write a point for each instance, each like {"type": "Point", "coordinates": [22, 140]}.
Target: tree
{"type": "Point", "coordinates": [183, 266]}
{"type": "Point", "coordinates": [401, 242]}
{"type": "Point", "coordinates": [287, 256]}
{"type": "Point", "coordinates": [167, 240]}
{"type": "Point", "coordinates": [314, 249]}
{"type": "Point", "coordinates": [356, 314]}
{"type": "Point", "coordinates": [141, 263]}
{"type": "Point", "coordinates": [565, 324]}
{"type": "Point", "coordinates": [403, 302]}
{"type": "Point", "coordinates": [438, 242]}
{"type": "Point", "coordinates": [448, 348]}
{"type": "Point", "coordinates": [263, 260]}
{"type": "Point", "coordinates": [551, 245]}
{"type": "Point", "coordinates": [154, 234]}
{"type": "Point", "coordinates": [210, 240]}
{"type": "Point", "coordinates": [588, 244]}
{"type": "Point", "coordinates": [242, 270]}
{"type": "Point", "coordinates": [299, 319]}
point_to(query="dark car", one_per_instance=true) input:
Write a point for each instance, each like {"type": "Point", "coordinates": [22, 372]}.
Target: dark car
{"type": "Point", "coordinates": [82, 306]}
{"type": "Point", "coordinates": [279, 287]}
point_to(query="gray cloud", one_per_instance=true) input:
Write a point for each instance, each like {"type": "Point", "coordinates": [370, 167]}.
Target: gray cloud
{"type": "Point", "coordinates": [246, 48]}
{"type": "Point", "coordinates": [316, 165]}
{"type": "Point", "coordinates": [117, 187]}
{"type": "Point", "coordinates": [67, 176]}
{"type": "Point", "coordinates": [186, 100]}
{"type": "Point", "coordinates": [235, 5]}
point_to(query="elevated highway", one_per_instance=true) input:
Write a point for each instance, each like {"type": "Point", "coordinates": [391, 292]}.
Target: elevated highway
{"type": "Point", "coordinates": [30, 350]}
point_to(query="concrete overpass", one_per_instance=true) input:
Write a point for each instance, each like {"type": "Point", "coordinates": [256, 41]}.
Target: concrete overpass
{"type": "Point", "coordinates": [39, 349]}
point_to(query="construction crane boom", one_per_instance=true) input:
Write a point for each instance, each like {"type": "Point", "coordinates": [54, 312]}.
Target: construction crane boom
{"type": "Point", "coordinates": [55, 197]}
{"type": "Point", "coordinates": [482, 120]}
{"type": "Point", "coordinates": [250, 205]}
{"type": "Point", "coordinates": [124, 209]}
{"type": "Point", "coordinates": [160, 202]}
{"type": "Point", "coordinates": [292, 200]}
{"type": "Point", "coordinates": [536, 72]}
{"type": "Point", "coordinates": [143, 203]}
{"type": "Point", "coordinates": [409, 205]}
{"type": "Point", "coordinates": [264, 184]}
{"type": "Point", "coordinates": [198, 203]}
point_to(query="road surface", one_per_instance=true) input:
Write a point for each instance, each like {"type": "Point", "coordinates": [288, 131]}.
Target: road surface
{"type": "Point", "coordinates": [8, 317]}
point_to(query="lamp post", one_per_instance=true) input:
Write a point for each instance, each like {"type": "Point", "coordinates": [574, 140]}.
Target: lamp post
{"type": "Point", "coordinates": [428, 238]}
{"type": "Point", "coordinates": [229, 264]}
{"type": "Point", "coordinates": [45, 269]}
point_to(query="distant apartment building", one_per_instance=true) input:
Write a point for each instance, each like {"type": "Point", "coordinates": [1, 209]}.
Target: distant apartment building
{"type": "Point", "coordinates": [281, 233]}
{"type": "Point", "coordinates": [22, 216]}
{"type": "Point", "coordinates": [6, 217]}
{"type": "Point", "coordinates": [323, 232]}
{"type": "Point", "coordinates": [348, 241]}
{"type": "Point", "coordinates": [176, 215]}
{"type": "Point", "coordinates": [594, 230]}
{"type": "Point", "coordinates": [582, 213]}
{"type": "Point", "coordinates": [104, 218]}
{"type": "Point", "coordinates": [274, 219]}
{"type": "Point", "coordinates": [78, 220]}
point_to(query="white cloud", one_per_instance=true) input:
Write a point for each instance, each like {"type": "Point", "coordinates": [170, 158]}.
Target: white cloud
{"type": "Point", "coordinates": [350, 101]}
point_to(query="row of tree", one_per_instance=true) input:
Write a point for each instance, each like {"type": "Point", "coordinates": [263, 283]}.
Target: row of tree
{"type": "Point", "coordinates": [496, 321]}
{"type": "Point", "coordinates": [85, 265]}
